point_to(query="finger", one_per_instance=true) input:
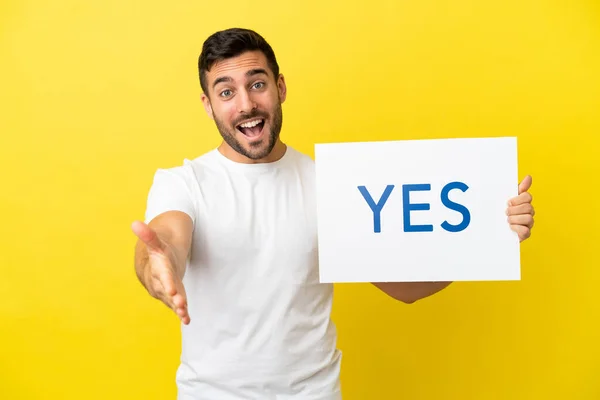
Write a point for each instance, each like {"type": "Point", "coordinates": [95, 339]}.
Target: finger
{"type": "Point", "coordinates": [182, 312]}
{"type": "Point", "coordinates": [166, 279]}
{"type": "Point", "coordinates": [522, 231]}
{"type": "Point", "coordinates": [146, 235]}
{"type": "Point", "coordinates": [525, 184]}
{"type": "Point", "coordinates": [177, 303]}
{"type": "Point", "coordinates": [164, 296]}
{"type": "Point", "coordinates": [181, 290]}
{"type": "Point", "coordinates": [161, 282]}
{"type": "Point", "coordinates": [181, 309]}
{"type": "Point", "coordinates": [521, 219]}
{"type": "Point", "coordinates": [186, 319]}
{"type": "Point", "coordinates": [523, 198]}
{"type": "Point", "coordinates": [175, 296]}
{"type": "Point", "coordinates": [180, 301]}
{"type": "Point", "coordinates": [526, 208]}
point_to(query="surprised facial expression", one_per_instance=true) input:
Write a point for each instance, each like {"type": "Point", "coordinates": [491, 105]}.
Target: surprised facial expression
{"type": "Point", "coordinates": [244, 99]}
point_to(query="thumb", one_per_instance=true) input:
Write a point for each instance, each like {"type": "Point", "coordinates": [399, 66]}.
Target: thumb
{"type": "Point", "coordinates": [147, 235]}
{"type": "Point", "coordinates": [525, 184]}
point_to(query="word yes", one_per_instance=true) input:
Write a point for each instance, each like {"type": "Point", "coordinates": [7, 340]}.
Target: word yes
{"type": "Point", "coordinates": [408, 206]}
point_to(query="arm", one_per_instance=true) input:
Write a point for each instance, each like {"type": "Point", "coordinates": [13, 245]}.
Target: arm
{"type": "Point", "coordinates": [161, 252]}
{"type": "Point", "coordinates": [409, 292]}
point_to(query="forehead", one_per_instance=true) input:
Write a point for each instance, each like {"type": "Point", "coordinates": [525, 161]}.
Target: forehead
{"type": "Point", "coordinates": [236, 67]}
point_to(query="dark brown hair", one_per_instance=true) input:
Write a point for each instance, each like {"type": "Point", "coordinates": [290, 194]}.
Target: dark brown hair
{"type": "Point", "coordinates": [231, 43]}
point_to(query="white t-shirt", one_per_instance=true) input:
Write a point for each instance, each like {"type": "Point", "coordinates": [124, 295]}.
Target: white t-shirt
{"type": "Point", "coordinates": [260, 320]}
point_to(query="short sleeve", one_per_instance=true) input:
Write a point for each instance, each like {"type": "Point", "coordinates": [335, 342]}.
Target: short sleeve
{"type": "Point", "coordinates": [170, 191]}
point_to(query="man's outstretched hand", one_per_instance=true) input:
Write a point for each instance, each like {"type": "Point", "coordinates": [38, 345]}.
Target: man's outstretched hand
{"type": "Point", "coordinates": [159, 274]}
{"type": "Point", "coordinates": [520, 211]}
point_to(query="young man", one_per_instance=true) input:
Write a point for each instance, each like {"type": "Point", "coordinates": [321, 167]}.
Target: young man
{"type": "Point", "coordinates": [230, 244]}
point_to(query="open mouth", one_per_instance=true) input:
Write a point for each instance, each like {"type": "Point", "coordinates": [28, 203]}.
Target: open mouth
{"type": "Point", "coordinates": [252, 129]}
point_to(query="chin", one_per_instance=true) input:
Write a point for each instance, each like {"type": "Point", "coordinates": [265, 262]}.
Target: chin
{"type": "Point", "coordinates": [260, 151]}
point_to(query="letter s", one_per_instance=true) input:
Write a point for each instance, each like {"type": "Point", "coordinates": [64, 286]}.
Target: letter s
{"type": "Point", "coordinates": [456, 207]}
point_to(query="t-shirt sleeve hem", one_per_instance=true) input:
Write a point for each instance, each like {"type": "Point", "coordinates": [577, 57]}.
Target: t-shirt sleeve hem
{"type": "Point", "coordinates": [170, 191]}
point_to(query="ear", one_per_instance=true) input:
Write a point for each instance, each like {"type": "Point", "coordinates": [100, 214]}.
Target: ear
{"type": "Point", "coordinates": [207, 105]}
{"type": "Point", "coordinates": [281, 87]}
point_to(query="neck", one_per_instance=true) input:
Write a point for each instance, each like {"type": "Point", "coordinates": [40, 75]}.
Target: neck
{"type": "Point", "coordinates": [276, 153]}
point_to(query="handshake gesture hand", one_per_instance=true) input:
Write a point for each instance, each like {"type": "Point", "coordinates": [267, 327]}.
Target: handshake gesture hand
{"type": "Point", "coordinates": [160, 273]}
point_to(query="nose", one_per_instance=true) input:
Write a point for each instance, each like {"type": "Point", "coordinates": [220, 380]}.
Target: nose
{"type": "Point", "coordinates": [245, 102]}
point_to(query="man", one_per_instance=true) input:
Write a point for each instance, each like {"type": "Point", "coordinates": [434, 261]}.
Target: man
{"type": "Point", "coordinates": [230, 243]}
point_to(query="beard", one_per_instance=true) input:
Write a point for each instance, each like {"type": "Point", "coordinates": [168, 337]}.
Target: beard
{"type": "Point", "coordinates": [258, 149]}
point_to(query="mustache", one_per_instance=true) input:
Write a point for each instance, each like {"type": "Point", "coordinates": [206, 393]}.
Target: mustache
{"type": "Point", "coordinates": [254, 114]}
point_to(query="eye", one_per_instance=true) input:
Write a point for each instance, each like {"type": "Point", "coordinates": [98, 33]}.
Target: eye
{"type": "Point", "coordinates": [225, 93]}
{"type": "Point", "coordinates": [258, 85]}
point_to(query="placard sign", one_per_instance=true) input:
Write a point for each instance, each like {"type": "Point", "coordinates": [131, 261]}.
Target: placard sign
{"type": "Point", "coordinates": [417, 210]}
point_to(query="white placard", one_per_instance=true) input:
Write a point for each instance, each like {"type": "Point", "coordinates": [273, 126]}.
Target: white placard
{"type": "Point", "coordinates": [417, 210]}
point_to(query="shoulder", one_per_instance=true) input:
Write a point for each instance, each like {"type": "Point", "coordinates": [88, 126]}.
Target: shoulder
{"type": "Point", "coordinates": [189, 172]}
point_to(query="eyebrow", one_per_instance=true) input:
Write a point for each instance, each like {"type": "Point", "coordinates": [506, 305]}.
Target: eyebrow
{"type": "Point", "coordinates": [252, 72]}
{"type": "Point", "coordinates": [256, 71]}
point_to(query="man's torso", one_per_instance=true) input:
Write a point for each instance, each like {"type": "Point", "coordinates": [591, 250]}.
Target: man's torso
{"type": "Point", "coordinates": [260, 320]}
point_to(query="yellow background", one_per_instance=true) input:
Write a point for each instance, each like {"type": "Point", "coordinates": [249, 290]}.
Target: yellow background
{"type": "Point", "coordinates": [95, 95]}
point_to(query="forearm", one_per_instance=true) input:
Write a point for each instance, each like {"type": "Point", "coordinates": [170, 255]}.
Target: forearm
{"type": "Point", "coordinates": [409, 292]}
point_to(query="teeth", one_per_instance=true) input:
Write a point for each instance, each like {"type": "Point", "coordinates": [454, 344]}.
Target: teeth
{"type": "Point", "coordinates": [251, 124]}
